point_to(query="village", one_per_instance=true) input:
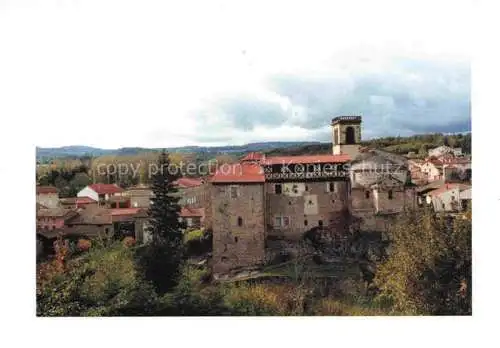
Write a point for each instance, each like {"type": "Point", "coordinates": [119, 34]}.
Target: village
{"type": "Point", "coordinates": [262, 204]}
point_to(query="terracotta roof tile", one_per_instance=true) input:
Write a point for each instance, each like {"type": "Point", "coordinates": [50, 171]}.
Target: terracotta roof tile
{"type": "Point", "coordinates": [188, 182]}
{"type": "Point", "coordinates": [192, 212]}
{"type": "Point", "coordinates": [239, 172]}
{"type": "Point", "coordinates": [106, 188]}
{"type": "Point", "coordinates": [45, 190]}
{"type": "Point", "coordinates": [306, 159]}
{"type": "Point", "coordinates": [447, 187]}
{"type": "Point", "coordinates": [253, 156]}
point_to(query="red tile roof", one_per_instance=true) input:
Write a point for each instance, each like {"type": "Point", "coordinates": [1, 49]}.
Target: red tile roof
{"type": "Point", "coordinates": [106, 188]}
{"type": "Point", "coordinates": [239, 172]}
{"type": "Point", "coordinates": [77, 200]}
{"type": "Point", "coordinates": [306, 159]}
{"type": "Point", "coordinates": [192, 212]}
{"type": "Point", "coordinates": [447, 187]}
{"type": "Point", "coordinates": [188, 182]}
{"type": "Point", "coordinates": [124, 211]}
{"type": "Point", "coordinates": [253, 156]}
{"type": "Point", "coordinates": [45, 190]}
{"type": "Point", "coordinates": [84, 200]}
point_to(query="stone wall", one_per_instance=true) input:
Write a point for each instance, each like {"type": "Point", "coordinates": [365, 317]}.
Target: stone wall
{"type": "Point", "coordinates": [49, 200]}
{"type": "Point", "coordinates": [238, 226]}
{"type": "Point", "coordinates": [305, 205]}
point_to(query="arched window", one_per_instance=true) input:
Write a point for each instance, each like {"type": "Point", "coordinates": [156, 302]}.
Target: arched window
{"type": "Point", "coordinates": [389, 194]}
{"type": "Point", "coordinates": [240, 221]}
{"type": "Point", "coordinates": [349, 136]}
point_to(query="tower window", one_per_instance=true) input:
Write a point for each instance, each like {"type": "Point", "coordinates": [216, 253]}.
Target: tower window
{"type": "Point", "coordinates": [389, 194]}
{"type": "Point", "coordinates": [350, 135]}
{"type": "Point", "coordinates": [234, 191]}
{"type": "Point", "coordinates": [367, 194]}
{"type": "Point", "coordinates": [240, 221]}
{"type": "Point", "coordinates": [278, 189]}
{"type": "Point", "coordinates": [330, 186]}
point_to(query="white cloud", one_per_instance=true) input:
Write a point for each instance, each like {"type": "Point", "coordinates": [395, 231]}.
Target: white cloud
{"type": "Point", "coordinates": [123, 73]}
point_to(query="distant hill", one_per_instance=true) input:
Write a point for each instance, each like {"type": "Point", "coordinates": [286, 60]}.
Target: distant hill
{"type": "Point", "coordinates": [80, 151]}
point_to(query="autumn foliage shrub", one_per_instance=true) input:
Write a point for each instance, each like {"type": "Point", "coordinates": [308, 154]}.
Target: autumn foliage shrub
{"type": "Point", "coordinates": [128, 241]}
{"type": "Point", "coordinates": [83, 244]}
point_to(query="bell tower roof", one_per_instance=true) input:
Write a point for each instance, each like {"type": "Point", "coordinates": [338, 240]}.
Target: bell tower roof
{"type": "Point", "coordinates": [346, 120]}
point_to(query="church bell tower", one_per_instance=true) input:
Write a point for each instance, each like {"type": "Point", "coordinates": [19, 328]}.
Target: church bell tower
{"type": "Point", "coordinates": [346, 133]}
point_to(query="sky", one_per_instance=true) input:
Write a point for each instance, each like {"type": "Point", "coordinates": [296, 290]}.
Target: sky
{"type": "Point", "coordinates": [124, 73]}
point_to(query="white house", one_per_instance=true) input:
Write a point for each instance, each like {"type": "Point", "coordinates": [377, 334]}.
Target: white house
{"type": "Point", "coordinates": [100, 192]}
{"type": "Point", "coordinates": [444, 150]}
{"type": "Point", "coordinates": [450, 197]}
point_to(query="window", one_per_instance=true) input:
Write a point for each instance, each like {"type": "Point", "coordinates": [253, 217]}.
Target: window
{"type": "Point", "coordinates": [330, 186]}
{"type": "Point", "coordinates": [240, 221]}
{"type": "Point", "coordinates": [307, 188]}
{"type": "Point", "coordinates": [305, 222]}
{"type": "Point", "coordinates": [320, 223]}
{"type": "Point", "coordinates": [281, 221]}
{"type": "Point", "coordinates": [236, 239]}
{"type": "Point", "coordinates": [277, 189]}
{"type": "Point", "coordinates": [367, 194]}
{"type": "Point", "coordinates": [389, 194]}
{"type": "Point", "coordinates": [277, 221]}
{"type": "Point", "coordinates": [286, 221]}
{"type": "Point", "coordinates": [234, 191]}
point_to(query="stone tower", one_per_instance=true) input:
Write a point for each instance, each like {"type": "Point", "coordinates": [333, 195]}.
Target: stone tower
{"type": "Point", "coordinates": [346, 133]}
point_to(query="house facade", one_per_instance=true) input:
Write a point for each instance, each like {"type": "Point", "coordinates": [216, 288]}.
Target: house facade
{"type": "Point", "coordinates": [47, 196]}
{"type": "Point", "coordinates": [101, 192]}
{"type": "Point", "coordinates": [450, 197]}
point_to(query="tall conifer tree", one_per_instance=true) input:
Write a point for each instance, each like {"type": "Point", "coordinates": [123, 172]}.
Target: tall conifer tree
{"type": "Point", "coordinates": [164, 256]}
{"type": "Point", "coordinates": [164, 210]}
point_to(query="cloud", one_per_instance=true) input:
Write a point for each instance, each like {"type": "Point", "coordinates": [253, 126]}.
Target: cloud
{"type": "Point", "coordinates": [401, 96]}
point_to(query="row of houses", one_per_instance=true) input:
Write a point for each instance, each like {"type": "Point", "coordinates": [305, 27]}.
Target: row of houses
{"type": "Point", "coordinates": [107, 210]}
{"type": "Point", "coordinates": [445, 164]}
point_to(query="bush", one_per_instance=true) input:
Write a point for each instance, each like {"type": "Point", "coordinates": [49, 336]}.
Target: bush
{"type": "Point", "coordinates": [254, 300]}
{"type": "Point", "coordinates": [83, 245]}
{"type": "Point", "coordinates": [193, 235]}
{"type": "Point", "coordinates": [192, 297]}
{"type": "Point", "coordinates": [128, 241]}
{"type": "Point", "coordinates": [104, 282]}
{"type": "Point", "coordinates": [428, 270]}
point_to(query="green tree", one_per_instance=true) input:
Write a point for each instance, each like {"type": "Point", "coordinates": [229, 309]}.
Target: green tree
{"type": "Point", "coordinates": [428, 270]}
{"type": "Point", "coordinates": [163, 258]}
{"type": "Point", "coordinates": [103, 282]}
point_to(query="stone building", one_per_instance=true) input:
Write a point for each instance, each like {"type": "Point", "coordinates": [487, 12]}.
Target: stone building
{"type": "Point", "coordinates": [267, 198]}
{"type": "Point", "coordinates": [47, 196]}
{"type": "Point", "coordinates": [346, 135]}
{"type": "Point", "coordinates": [195, 200]}
{"type": "Point", "coordinates": [139, 196]}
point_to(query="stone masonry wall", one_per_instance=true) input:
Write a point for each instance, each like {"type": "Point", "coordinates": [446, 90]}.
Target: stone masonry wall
{"type": "Point", "coordinates": [238, 226]}
{"type": "Point", "coordinates": [310, 203]}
